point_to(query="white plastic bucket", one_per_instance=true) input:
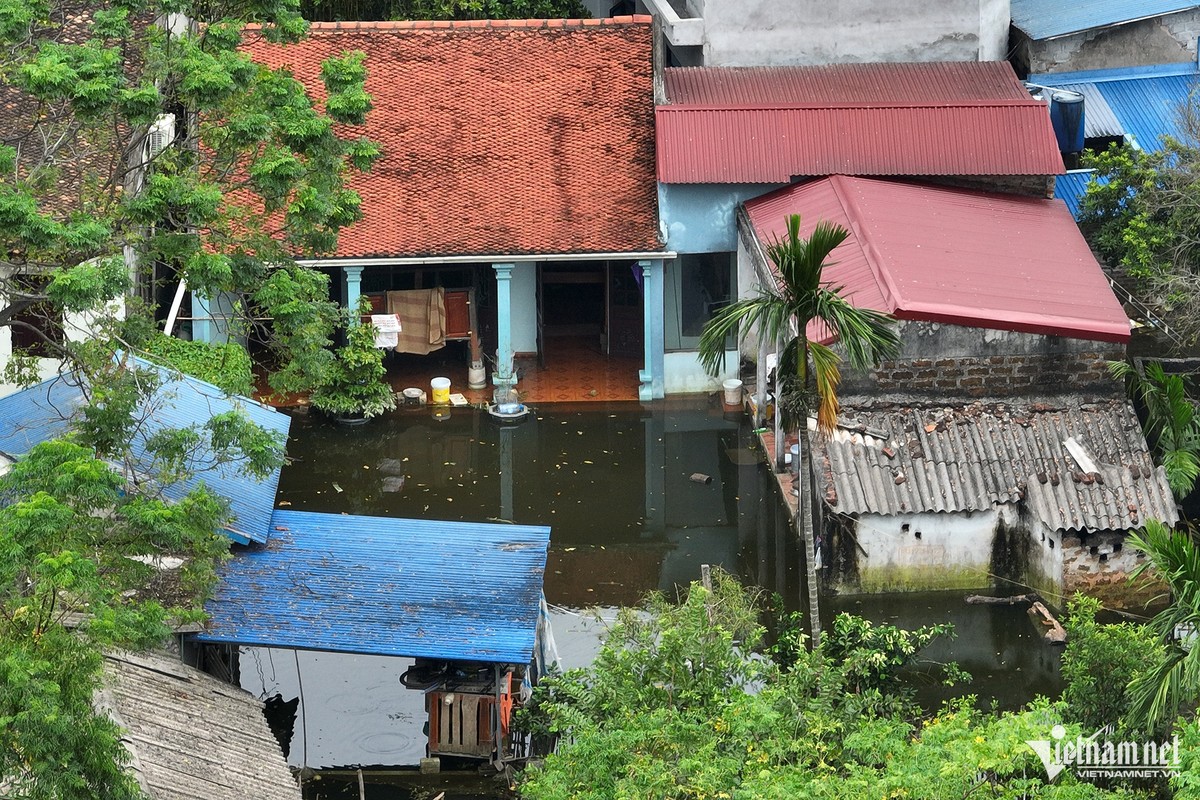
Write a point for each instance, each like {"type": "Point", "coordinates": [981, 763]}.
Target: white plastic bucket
{"type": "Point", "coordinates": [733, 392]}
{"type": "Point", "coordinates": [440, 394]}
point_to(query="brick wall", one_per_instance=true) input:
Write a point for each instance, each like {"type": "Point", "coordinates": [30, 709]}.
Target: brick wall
{"type": "Point", "coordinates": [958, 362]}
{"type": "Point", "coordinates": [1167, 39]}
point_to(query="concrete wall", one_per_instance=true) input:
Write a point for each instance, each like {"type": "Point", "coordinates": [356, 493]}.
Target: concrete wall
{"type": "Point", "coordinates": [524, 308]}
{"type": "Point", "coordinates": [76, 327]}
{"type": "Point", "coordinates": [956, 361]}
{"type": "Point", "coordinates": [702, 217]}
{"type": "Point", "coordinates": [1167, 39]}
{"type": "Point", "coordinates": [784, 32]}
{"type": "Point", "coordinates": [684, 375]}
{"type": "Point", "coordinates": [918, 552]}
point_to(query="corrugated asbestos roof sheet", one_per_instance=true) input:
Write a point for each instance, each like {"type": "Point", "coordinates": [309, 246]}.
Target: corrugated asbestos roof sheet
{"type": "Point", "coordinates": [499, 137]}
{"type": "Point", "coordinates": [1140, 103]}
{"type": "Point", "coordinates": [46, 411]}
{"type": "Point", "coordinates": [971, 458]}
{"type": "Point", "coordinates": [770, 124]}
{"type": "Point", "coordinates": [191, 735]}
{"type": "Point", "coordinates": [396, 587]}
{"type": "Point", "coordinates": [1047, 19]}
{"type": "Point", "coordinates": [964, 257]}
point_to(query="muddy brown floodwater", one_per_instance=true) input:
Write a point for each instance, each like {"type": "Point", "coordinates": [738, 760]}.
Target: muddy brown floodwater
{"type": "Point", "coordinates": [613, 483]}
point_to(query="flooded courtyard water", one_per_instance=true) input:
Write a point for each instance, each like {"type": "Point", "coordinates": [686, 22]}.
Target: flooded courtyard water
{"type": "Point", "coordinates": [614, 483]}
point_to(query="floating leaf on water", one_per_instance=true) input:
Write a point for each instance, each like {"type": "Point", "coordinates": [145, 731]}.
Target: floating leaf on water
{"type": "Point", "coordinates": [365, 466]}
{"type": "Point", "coordinates": [568, 549]}
{"type": "Point", "coordinates": [283, 503]}
{"type": "Point", "coordinates": [586, 461]}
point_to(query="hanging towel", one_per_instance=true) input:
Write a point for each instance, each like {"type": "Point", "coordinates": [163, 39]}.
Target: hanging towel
{"type": "Point", "coordinates": [422, 314]}
{"type": "Point", "coordinates": [387, 330]}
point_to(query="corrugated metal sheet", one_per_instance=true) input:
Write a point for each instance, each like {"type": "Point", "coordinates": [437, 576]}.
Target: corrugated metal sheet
{"type": "Point", "coordinates": [397, 587]}
{"type": "Point", "coordinates": [953, 255]}
{"type": "Point", "coordinates": [47, 410]}
{"type": "Point", "coordinates": [1098, 119]}
{"type": "Point", "coordinates": [974, 457]}
{"type": "Point", "coordinates": [770, 125]}
{"type": "Point", "coordinates": [833, 85]}
{"type": "Point", "coordinates": [1070, 188]}
{"type": "Point", "coordinates": [1046, 19]}
{"type": "Point", "coordinates": [1144, 103]}
{"type": "Point", "coordinates": [775, 145]}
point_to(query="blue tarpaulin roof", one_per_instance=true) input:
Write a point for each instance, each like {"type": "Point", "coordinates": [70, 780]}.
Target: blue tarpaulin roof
{"type": "Point", "coordinates": [396, 587]}
{"type": "Point", "coordinates": [1140, 103]}
{"type": "Point", "coordinates": [1046, 19]}
{"type": "Point", "coordinates": [46, 410]}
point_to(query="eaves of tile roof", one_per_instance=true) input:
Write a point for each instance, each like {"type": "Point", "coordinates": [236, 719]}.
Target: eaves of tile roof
{"type": "Point", "coordinates": [499, 137]}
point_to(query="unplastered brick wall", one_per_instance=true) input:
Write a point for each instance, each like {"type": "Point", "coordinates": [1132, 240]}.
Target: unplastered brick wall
{"type": "Point", "coordinates": [1160, 40]}
{"type": "Point", "coordinates": [957, 361]}
{"type": "Point", "coordinates": [1099, 565]}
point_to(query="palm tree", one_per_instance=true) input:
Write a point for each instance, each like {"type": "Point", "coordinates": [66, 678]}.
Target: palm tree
{"type": "Point", "coordinates": [1158, 693]}
{"type": "Point", "coordinates": [1172, 424]}
{"type": "Point", "coordinates": [800, 297]}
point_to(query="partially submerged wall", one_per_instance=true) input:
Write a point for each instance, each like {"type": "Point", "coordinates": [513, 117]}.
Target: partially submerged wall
{"type": "Point", "coordinates": [917, 552]}
{"type": "Point", "coordinates": [956, 361]}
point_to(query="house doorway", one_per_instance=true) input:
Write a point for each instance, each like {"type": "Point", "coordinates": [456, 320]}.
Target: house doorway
{"type": "Point", "coordinates": [592, 305]}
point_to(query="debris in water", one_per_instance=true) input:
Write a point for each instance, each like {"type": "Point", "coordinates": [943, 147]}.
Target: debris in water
{"type": "Point", "coordinates": [337, 488]}
{"type": "Point", "coordinates": [283, 503]}
{"type": "Point", "coordinates": [586, 461]}
{"type": "Point", "coordinates": [568, 549]}
{"type": "Point", "coordinates": [700, 477]}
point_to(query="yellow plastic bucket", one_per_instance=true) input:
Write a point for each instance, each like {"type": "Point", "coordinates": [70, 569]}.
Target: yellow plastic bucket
{"type": "Point", "coordinates": [440, 394]}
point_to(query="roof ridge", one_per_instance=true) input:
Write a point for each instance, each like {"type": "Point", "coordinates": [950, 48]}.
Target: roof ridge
{"type": "Point", "coordinates": [413, 25]}
{"type": "Point", "coordinates": [883, 280]}
{"type": "Point", "coordinates": [1011, 102]}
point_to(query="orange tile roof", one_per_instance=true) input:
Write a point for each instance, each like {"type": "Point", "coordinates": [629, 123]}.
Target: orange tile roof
{"type": "Point", "coordinates": [498, 137]}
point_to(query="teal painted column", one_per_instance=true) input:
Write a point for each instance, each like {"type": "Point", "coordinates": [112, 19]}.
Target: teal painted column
{"type": "Point", "coordinates": [353, 278]}
{"type": "Point", "coordinates": [202, 322]}
{"type": "Point", "coordinates": [653, 376]}
{"type": "Point", "coordinates": [504, 374]}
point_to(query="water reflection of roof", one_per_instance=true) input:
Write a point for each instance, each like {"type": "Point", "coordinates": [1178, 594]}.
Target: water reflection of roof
{"type": "Point", "coordinates": [397, 587]}
{"type": "Point", "coordinates": [916, 459]}
{"type": "Point", "coordinates": [47, 410]}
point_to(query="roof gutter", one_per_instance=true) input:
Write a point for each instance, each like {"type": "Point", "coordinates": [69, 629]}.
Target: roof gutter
{"type": "Point", "coordinates": [680, 32]}
{"type": "Point", "coordinates": [414, 261]}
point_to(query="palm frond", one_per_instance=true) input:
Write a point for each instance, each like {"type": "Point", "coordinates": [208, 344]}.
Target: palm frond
{"type": "Point", "coordinates": [767, 313]}
{"type": "Point", "coordinates": [827, 375]}
{"type": "Point", "coordinates": [868, 336]}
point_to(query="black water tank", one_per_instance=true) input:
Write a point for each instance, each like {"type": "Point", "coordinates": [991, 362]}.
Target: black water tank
{"type": "Point", "coordinates": [1066, 115]}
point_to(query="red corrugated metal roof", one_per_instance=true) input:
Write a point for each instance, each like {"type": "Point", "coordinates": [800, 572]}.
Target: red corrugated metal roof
{"type": "Point", "coordinates": [768, 125]}
{"type": "Point", "coordinates": [914, 85]}
{"type": "Point", "coordinates": [953, 255]}
{"type": "Point", "coordinates": [498, 137]}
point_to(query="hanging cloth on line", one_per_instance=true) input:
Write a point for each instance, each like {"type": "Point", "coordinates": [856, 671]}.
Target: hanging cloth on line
{"type": "Point", "coordinates": [422, 314]}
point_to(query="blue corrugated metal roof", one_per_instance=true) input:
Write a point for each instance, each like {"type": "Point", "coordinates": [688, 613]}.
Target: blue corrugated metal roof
{"type": "Point", "coordinates": [46, 410]}
{"type": "Point", "coordinates": [1144, 101]}
{"type": "Point", "coordinates": [397, 587]}
{"type": "Point", "coordinates": [1099, 120]}
{"type": "Point", "coordinates": [1046, 19]}
{"type": "Point", "coordinates": [1070, 187]}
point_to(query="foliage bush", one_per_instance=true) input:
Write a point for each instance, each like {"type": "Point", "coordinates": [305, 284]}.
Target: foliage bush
{"type": "Point", "coordinates": [226, 366]}
{"type": "Point", "coordinates": [353, 385]}
{"type": "Point", "coordinates": [680, 704]}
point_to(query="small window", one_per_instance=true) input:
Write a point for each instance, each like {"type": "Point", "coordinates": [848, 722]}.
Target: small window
{"type": "Point", "coordinates": [698, 286]}
{"type": "Point", "coordinates": [34, 324]}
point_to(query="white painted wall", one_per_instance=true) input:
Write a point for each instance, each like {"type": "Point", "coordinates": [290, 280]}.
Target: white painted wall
{"type": "Point", "coordinates": [684, 375]}
{"type": "Point", "coordinates": [77, 327]}
{"type": "Point", "coordinates": [524, 307]}
{"type": "Point", "coordinates": [954, 551]}
{"type": "Point", "coordinates": [1045, 563]}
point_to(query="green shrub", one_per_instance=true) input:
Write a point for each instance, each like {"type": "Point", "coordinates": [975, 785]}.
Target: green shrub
{"type": "Point", "coordinates": [226, 366]}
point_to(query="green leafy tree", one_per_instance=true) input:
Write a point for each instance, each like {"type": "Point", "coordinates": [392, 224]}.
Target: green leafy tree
{"type": "Point", "coordinates": [680, 704]}
{"type": "Point", "coordinates": [1139, 212]}
{"type": "Point", "coordinates": [353, 386]}
{"type": "Point", "coordinates": [1172, 425]}
{"type": "Point", "coordinates": [802, 296]}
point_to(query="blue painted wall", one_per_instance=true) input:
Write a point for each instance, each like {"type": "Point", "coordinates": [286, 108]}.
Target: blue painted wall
{"type": "Point", "coordinates": [702, 217]}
